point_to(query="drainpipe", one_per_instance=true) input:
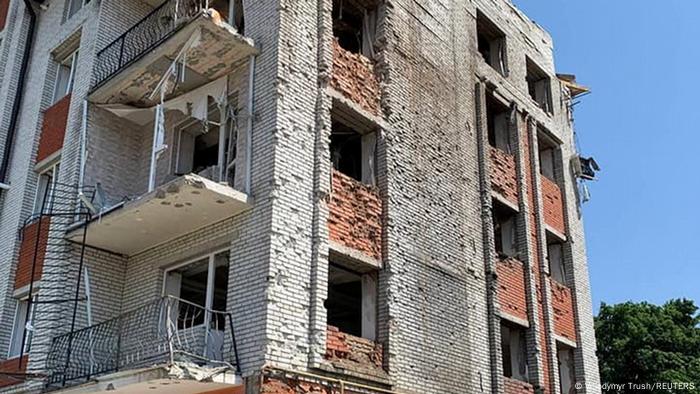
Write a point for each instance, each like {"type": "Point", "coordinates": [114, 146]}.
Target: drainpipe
{"type": "Point", "coordinates": [249, 125]}
{"type": "Point", "coordinates": [19, 95]}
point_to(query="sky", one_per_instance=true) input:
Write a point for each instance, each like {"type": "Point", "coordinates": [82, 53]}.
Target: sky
{"type": "Point", "coordinates": [640, 58]}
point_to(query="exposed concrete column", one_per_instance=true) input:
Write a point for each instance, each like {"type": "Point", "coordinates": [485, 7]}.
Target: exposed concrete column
{"type": "Point", "coordinates": [490, 257]}
{"type": "Point", "coordinates": [519, 136]}
{"type": "Point", "coordinates": [545, 286]}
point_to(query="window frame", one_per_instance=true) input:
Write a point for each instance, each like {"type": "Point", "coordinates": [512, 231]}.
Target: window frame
{"type": "Point", "coordinates": [211, 261]}
{"type": "Point", "coordinates": [13, 352]}
{"type": "Point", "coordinates": [55, 169]}
{"type": "Point", "coordinates": [73, 60]}
{"type": "Point", "coordinates": [69, 6]}
{"type": "Point", "coordinates": [498, 35]}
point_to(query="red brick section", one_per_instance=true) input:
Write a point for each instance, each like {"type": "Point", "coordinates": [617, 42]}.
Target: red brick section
{"type": "Point", "coordinates": [355, 218]}
{"type": "Point", "coordinates": [511, 287]}
{"type": "Point", "coordinates": [514, 386]}
{"type": "Point", "coordinates": [12, 366]}
{"type": "Point", "coordinates": [26, 252]}
{"type": "Point", "coordinates": [272, 385]}
{"type": "Point", "coordinates": [4, 9]}
{"type": "Point", "coordinates": [536, 263]}
{"type": "Point", "coordinates": [232, 390]}
{"type": "Point", "coordinates": [503, 175]}
{"type": "Point", "coordinates": [53, 129]}
{"type": "Point", "coordinates": [359, 355]}
{"type": "Point", "coordinates": [553, 205]}
{"type": "Point", "coordinates": [353, 76]}
{"type": "Point", "coordinates": [563, 311]}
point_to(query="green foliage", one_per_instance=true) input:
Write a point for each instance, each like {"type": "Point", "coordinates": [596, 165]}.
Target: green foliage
{"type": "Point", "coordinates": [641, 343]}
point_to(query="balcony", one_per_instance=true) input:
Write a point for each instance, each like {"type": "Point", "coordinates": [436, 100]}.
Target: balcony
{"type": "Point", "coordinates": [181, 37]}
{"type": "Point", "coordinates": [176, 208]}
{"type": "Point", "coordinates": [355, 219]}
{"type": "Point", "coordinates": [182, 339]}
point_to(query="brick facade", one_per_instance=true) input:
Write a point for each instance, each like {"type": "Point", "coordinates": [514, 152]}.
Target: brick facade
{"type": "Point", "coordinates": [424, 219]}
{"type": "Point", "coordinates": [553, 205]}
{"type": "Point", "coordinates": [564, 321]}
{"type": "Point", "coordinates": [53, 129]}
{"type": "Point", "coordinates": [4, 9]}
{"type": "Point", "coordinates": [353, 76]}
{"type": "Point", "coordinates": [10, 367]}
{"type": "Point", "coordinates": [30, 244]}
{"type": "Point", "coordinates": [514, 386]}
{"type": "Point", "coordinates": [355, 217]}
{"type": "Point", "coordinates": [503, 174]}
{"type": "Point", "coordinates": [512, 296]}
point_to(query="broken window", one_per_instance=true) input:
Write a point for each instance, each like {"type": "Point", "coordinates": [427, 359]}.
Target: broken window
{"type": "Point", "coordinates": [514, 351]}
{"type": "Point", "coordinates": [204, 146]}
{"type": "Point", "coordinates": [65, 74]}
{"type": "Point", "coordinates": [547, 155]}
{"type": "Point", "coordinates": [353, 153]}
{"type": "Point", "coordinates": [505, 230]}
{"type": "Point", "coordinates": [555, 257]}
{"type": "Point", "coordinates": [231, 12]}
{"type": "Point", "coordinates": [352, 301]}
{"type": "Point", "coordinates": [567, 375]}
{"type": "Point", "coordinates": [539, 86]}
{"type": "Point", "coordinates": [491, 42]}
{"type": "Point", "coordinates": [498, 123]}
{"type": "Point", "coordinates": [354, 26]}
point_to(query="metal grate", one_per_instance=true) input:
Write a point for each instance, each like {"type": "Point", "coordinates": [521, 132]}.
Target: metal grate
{"type": "Point", "coordinates": [149, 32]}
{"type": "Point", "coordinates": [163, 331]}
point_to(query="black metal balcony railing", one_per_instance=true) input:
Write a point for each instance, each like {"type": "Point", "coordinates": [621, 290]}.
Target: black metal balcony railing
{"type": "Point", "coordinates": [149, 32]}
{"type": "Point", "coordinates": [164, 331]}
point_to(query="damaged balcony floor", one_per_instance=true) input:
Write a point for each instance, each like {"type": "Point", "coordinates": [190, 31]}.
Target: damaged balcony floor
{"type": "Point", "coordinates": [177, 208]}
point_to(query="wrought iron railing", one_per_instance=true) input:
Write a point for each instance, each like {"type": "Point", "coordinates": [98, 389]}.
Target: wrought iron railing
{"type": "Point", "coordinates": [167, 330]}
{"type": "Point", "coordinates": [148, 33]}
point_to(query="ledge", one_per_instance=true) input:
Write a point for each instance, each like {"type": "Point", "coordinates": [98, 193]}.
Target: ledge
{"type": "Point", "coordinates": [177, 208]}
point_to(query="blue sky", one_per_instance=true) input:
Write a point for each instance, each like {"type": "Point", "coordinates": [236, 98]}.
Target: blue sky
{"type": "Point", "coordinates": [641, 60]}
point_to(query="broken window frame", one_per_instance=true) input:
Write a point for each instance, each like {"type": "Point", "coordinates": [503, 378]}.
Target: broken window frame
{"type": "Point", "coordinates": [505, 230]}
{"type": "Point", "coordinates": [228, 155]}
{"type": "Point", "coordinates": [499, 124]}
{"type": "Point", "coordinates": [548, 155]}
{"type": "Point", "coordinates": [367, 173]}
{"type": "Point", "coordinates": [539, 85]}
{"type": "Point", "coordinates": [487, 29]}
{"type": "Point", "coordinates": [368, 303]}
{"type": "Point", "coordinates": [514, 351]}
{"type": "Point", "coordinates": [367, 32]}
{"type": "Point", "coordinates": [556, 262]}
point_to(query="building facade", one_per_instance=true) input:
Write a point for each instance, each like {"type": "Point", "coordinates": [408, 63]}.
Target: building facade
{"type": "Point", "coordinates": [275, 196]}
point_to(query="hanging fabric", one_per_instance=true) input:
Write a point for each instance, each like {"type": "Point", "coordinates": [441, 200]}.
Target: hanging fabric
{"type": "Point", "coordinates": [369, 30]}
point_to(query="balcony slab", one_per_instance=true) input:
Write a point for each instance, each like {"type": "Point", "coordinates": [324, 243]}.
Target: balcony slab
{"type": "Point", "coordinates": [179, 207]}
{"type": "Point", "coordinates": [219, 51]}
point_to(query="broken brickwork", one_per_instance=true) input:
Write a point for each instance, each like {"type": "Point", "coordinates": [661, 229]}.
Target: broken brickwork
{"type": "Point", "coordinates": [11, 371]}
{"type": "Point", "coordinates": [353, 76]}
{"type": "Point", "coordinates": [564, 322]}
{"type": "Point", "coordinates": [355, 218]}
{"type": "Point", "coordinates": [511, 287]}
{"type": "Point", "coordinates": [514, 386]}
{"type": "Point", "coordinates": [503, 175]}
{"type": "Point", "coordinates": [360, 356]}
{"type": "Point", "coordinates": [553, 205]}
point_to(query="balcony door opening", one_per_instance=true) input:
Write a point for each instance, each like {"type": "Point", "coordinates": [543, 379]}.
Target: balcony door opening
{"type": "Point", "coordinates": [352, 301]}
{"type": "Point", "coordinates": [231, 11]}
{"type": "Point", "coordinates": [353, 153]}
{"type": "Point", "coordinates": [198, 291]}
{"type": "Point", "coordinates": [208, 148]}
{"type": "Point", "coordinates": [354, 26]}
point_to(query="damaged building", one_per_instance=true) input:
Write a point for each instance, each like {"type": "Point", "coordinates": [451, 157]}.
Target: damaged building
{"type": "Point", "coordinates": [267, 196]}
